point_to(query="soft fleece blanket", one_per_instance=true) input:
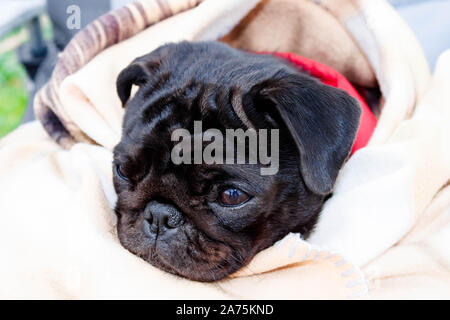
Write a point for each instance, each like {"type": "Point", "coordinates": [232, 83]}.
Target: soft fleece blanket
{"type": "Point", "coordinates": [383, 233]}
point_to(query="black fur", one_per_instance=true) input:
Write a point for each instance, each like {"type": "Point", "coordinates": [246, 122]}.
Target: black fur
{"type": "Point", "coordinates": [183, 82]}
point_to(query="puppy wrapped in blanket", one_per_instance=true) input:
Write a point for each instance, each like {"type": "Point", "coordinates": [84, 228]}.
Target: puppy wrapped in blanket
{"type": "Point", "coordinates": [204, 221]}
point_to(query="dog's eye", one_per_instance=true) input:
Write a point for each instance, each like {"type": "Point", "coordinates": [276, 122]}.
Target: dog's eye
{"type": "Point", "coordinates": [120, 174]}
{"type": "Point", "coordinates": [232, 197]}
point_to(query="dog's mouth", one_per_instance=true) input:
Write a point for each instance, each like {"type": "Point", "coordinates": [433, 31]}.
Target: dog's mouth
{"type": "Point", "coordinates": [206, 272]}
{"type": "Point", "coordinates": [204, 261]}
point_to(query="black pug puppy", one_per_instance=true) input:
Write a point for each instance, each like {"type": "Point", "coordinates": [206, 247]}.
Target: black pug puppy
{"type": "Point", "coordinates": [206, 221]}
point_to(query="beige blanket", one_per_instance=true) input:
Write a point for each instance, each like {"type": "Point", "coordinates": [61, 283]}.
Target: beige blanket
{"type": "Point", "coordinates": [383, 233]}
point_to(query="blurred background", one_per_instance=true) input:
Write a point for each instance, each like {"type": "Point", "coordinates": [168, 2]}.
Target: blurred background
{"type": "Point", "coordinates": [32, 32]}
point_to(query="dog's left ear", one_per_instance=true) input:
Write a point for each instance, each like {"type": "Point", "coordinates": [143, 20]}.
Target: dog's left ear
{"type": "Point", "coordinates": [137, 73]}
{"type": "Point", "coordinates": [322, 120]}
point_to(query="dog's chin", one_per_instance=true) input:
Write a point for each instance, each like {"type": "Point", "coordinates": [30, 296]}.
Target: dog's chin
{"type": "Point", "coordinates": [199, 263]}
{"type": "Point", "coordinates": [197, 272]}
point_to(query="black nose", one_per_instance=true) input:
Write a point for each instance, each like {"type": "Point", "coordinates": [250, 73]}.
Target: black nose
{"type": "Point", "coordinates": [162, 217]}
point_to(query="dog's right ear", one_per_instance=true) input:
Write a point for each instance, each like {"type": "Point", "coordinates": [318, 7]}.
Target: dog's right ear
{"type": "Point", "coordinates": [137, 73]}
{"type": "Point", "coordinates": [322, 120]}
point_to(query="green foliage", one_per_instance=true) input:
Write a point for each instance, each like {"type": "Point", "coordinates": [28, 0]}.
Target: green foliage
{"type": "Point", "coordinates": [13, 93]}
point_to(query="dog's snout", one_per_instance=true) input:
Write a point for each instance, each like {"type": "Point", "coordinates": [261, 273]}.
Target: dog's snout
{"type": "Point", "coordinates": [161, 217]}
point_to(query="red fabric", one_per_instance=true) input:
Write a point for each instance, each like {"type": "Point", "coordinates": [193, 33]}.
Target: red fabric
{"type": "Point", "coordinates": [333, 78]}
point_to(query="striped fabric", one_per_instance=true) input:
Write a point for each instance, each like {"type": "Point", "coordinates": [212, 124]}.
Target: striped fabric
{"type": "Point", "coordinates": [107, 30]}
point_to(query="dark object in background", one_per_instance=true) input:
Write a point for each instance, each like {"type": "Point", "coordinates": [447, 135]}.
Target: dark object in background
{"type": "Point", "coordinates": [39, 58]}
{"type": "Point", "coordinates": [33, 53]}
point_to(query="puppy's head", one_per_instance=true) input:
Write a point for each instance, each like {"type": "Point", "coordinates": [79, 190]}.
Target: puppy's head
{"type": "Point", "coordinates": [204, 221]}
